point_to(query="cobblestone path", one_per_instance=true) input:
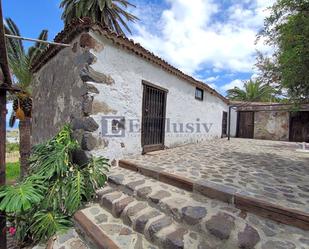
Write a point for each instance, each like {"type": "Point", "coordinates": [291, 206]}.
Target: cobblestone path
{"type": "Point", "coordinates": [268, 170]}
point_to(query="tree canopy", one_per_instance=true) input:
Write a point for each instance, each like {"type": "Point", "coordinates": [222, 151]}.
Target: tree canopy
{"type": "Point", "coordinates": [253, 91]}
{"type": "Point", "coordinates": [20, 59]}
{"type": "Point", "coordinates": [111, 13]}
{"type": "Point", "coordinates": [287, 30]}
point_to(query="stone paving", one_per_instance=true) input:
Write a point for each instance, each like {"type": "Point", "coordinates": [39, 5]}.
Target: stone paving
{"type": "Point", "coordinates": [211, 223]}
{"type": "Point", "coordinates": [67, 240]}
{"type": "Point", "coordinates": [122, 235]}
{"type": "Point", "coordinates": [267, 170]}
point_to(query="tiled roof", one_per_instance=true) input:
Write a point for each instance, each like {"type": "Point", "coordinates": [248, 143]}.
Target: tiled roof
{"type": "Point", "coordinates": [84, 25]}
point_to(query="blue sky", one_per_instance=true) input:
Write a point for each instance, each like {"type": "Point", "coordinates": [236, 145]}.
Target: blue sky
{"type": "Point", "coordinates": [210, 40]}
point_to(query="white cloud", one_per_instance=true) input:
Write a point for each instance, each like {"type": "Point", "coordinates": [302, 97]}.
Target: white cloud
{"type": "Point", "coordinates": [235, 83]}
{"type": "Point", "coordinates": [198, 34]}
{"type": "Point", "coordinates": [212, 78]}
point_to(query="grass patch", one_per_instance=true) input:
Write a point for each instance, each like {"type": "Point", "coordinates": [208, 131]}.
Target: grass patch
{"type": "Point", "coordinates": [12, 171]}
{"type": "Point", "coordinates": [12, 147]}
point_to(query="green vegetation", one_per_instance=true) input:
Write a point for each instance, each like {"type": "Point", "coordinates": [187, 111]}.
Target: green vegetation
{"type": "Point", "coordinates": [111, 13]}
{"type": "Point", "coordinates": [12, 171]}
{"type": "Point", "coordinates": [20, 62]}
{"type": "Point", "coordinates": [253, 91]}
{"type": "Point", "coordinates": [287, 30]}
{"type": "Point", "coordinates": [12, 147]}
{"type": "Point", "coordinates": [57, 186]}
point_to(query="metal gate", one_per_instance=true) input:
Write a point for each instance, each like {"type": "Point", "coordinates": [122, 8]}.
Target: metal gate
{"type": "Point", "coordinates": [153, 117]}
{"type": "Point", "coordinates": [245, 124]}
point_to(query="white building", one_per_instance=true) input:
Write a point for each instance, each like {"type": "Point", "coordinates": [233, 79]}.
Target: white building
{"type": "Point", "coordinates": [138, 101]}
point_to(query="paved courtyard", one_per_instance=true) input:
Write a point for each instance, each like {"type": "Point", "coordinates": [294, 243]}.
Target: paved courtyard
{"type": "Point", "coordinates": [267, 170]}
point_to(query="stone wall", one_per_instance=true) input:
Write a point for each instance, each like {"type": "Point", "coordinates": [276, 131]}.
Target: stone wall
{"type": "Point", "coordinates": [62, 95]}
{"type": "Point", "coordinates": [271, 125]}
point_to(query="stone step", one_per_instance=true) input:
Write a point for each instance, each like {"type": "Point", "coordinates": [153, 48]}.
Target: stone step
{"type": "Point", "coordinates": [244, 200]}
{"type": "Point", "coordinates": [102, 230]}
{"type": "Point", "coordinates": [209, 223]}
{"type": "Point", "coordinates": [158, 228]}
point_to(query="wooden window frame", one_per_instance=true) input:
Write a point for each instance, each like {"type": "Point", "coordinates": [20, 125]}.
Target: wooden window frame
{"type": "Point", "coordinates": [202, 91]}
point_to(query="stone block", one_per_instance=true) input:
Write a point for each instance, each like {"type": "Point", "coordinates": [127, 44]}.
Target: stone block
{"type": "Point", "coordinates": [87, 105]}
{"type": "Point", "coordinates": [142, 220]}
{"type": "Point", "coordinates": [81, 157]}
{"type": "Point", "coordinates": [89, 142]}
{"type": "Point", "coordinates": [155, 198]}
{"type": "Point", "coordinates": [87, 124]}
{"type": "Point", "coordinates": [248, 238]}
{"type": "Point", "coordinates": [221, 225]}
{"type": "Point", "coordinates": [116, 179]}
{"type": "Point", "coordinates": [133, 211]}
{"type": "Point", "coordinates": [132, 185]}
{"type": "Point", "coordinates": [157, 225]}
{"type": "Point", "coordinates": [107, 200]}
{"type": "Point", "coordinates": [120, 205]}
{"type": "Point", "coordinates": [193, 214]}
{"type": "Point", "coordinates": [175, 240]}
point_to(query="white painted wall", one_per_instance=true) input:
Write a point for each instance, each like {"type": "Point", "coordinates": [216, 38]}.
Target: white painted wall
{"type": "Point", "coordinates": [233, 122]}
{"type": "Point", "coordinates": [125, 96]}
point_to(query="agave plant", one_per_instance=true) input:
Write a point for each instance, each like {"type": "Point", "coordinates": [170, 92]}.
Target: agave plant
{"type": "Point", "coordinates": [44, 202]}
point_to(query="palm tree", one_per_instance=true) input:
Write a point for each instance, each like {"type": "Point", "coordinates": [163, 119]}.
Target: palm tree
{"type": "Point", "coordinates": [111, 13]}
{"type": "Point", "coordinates": [253, 91]}
{"type": "Point", "coordinates": [20, 61]}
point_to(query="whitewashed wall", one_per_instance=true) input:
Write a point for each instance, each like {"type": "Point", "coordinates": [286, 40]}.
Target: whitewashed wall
{"type": "Point", "coordinates": [233, 122]}
{"type": "Point", "coordinates": [124, 98]}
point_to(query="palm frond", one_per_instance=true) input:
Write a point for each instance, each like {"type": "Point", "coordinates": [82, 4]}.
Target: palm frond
{"type": "Point", "coordinates": [111, 13]}
{"type": "Point", "coordinates": [12, 27]}
{"type": "Point", "coordinates": [253, 91]}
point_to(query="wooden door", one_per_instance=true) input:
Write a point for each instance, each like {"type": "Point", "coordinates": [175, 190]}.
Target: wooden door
{"type": "Point", "coordinates": [299, 127]}
{"type": "Point", "coordinates": [153, 117]}
{"type": "Point", "coordinates": [245, 126]}
{"type": "Point", "coordinates": [224, 124]}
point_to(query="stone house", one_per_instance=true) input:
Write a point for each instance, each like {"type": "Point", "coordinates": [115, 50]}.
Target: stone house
{"type": "Point", "coordinates": [271, 121]}
{"type": "Point", "coordinates": [120, 98]}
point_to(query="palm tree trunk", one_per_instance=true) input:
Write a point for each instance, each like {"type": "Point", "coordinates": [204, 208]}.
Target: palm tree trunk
{"type": "Point", "coordinates": [24, 145]}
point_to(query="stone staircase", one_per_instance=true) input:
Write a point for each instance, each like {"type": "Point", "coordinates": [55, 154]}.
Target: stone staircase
{"type": "Point", "coordinates": [135, 211]}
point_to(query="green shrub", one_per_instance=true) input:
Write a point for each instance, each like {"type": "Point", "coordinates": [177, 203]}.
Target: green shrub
{"type": "Point", "coordinates": [44, 202]}
{"type": "Point", "coordinates": [12, 171]}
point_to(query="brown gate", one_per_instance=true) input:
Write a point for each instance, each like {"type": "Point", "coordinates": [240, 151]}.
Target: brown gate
{"type": "Point", "coordinates": [245, 125]}
{"type": "Point", "coordinates": [224, 124]}
{"type": "Point", "coordinates": [299, 127]}
{"type": "Point", "coordinates": [153, 117]}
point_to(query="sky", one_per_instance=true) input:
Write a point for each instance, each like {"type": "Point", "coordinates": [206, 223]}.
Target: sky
{"type": "Point", "coordinates": [212, 40]}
